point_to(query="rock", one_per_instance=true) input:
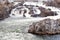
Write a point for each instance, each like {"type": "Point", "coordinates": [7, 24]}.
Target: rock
{"type": "Point", "coordinates": [3, 13]}
{"type": "Point", "coordinates": [5, 10]}
{"type": "Point", "coordinates": [46, 26]}
{"type": "Point", "coordinates": [57, 1]}
{"type": "Point", "coordinates": [52, 3]}
{"type": "Point", "coordinates": [47, 12]}
{"type": "Point", "coordinates": [31, 11]}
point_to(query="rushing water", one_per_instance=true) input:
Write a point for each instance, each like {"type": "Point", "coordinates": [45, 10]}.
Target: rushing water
{"type": "Point", "coordinates": [17, 28]}
{"type": "Point", "coordinates": [16, 11]}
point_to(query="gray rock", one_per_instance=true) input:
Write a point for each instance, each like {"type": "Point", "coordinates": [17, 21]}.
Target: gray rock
{"type": "Point", "coordinates": [55, 3]}
{"type": "Point", "coordinates": [46, 12]}
{"type": "Point", "coordinates": [46, 26]}
{"type": "Point", "coordinates": [5, 10]}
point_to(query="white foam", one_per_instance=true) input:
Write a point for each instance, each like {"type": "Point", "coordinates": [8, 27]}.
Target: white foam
{"type": "Point", "coordinates": [34, 3]}
{"type": "Point", "coordinates": [16, 13]}
{"type": "Point", "coordinates": [27, 13]}
{"type": "Point", "coordinates": [37, 10]}
{"type": "Point", "coordinates": [30, 3]}
{"type": "Point", "coordinates": [57, 10]}
{"type": "Point", "coordinates": [15, 3]}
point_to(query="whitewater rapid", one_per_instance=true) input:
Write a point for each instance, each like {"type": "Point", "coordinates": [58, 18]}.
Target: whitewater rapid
{"type": "Point", "coordinates": [16, 13]}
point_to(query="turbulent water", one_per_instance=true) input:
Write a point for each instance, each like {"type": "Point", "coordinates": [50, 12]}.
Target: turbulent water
{"type": "Point", "coordinates": [16, 11]}
{"type": "Point", "coordinates": [17, 28]}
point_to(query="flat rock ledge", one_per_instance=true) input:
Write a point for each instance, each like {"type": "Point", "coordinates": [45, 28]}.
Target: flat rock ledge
{"type": "Point", "coordinates": [44, 27]}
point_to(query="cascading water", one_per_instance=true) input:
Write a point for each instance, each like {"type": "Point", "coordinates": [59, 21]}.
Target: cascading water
{"type": "Point", "coordinates": [13, 28]}
{"type": "Point", "coordinates": [16, 12]}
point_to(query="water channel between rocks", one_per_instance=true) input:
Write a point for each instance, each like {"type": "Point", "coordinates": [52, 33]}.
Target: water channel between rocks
{"type": "Point", "coordinates": [16, 29]}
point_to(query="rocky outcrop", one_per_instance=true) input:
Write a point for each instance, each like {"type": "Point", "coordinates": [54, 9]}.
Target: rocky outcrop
{"type": "Point", "coordinates": [3, 13]}
{"type": "Point", "coordinates": [46, 26]}
{"type": "Point", "coordinates": [5, 10]}
{"type": "Point", "coordinates": [55, 3]}
{"type": "Point", "coordinates": [47, 12]}
{"type": "Point", "coordinates": [43, 12]}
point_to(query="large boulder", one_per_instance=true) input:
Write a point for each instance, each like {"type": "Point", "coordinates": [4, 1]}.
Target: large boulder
{"type": "Point", "coordinates": [5, 10]}
{"type": "Point", "coordinates": [46, 26]}
{"type": "Point", "coordinates": [52, 3]}
{"type": "Point", "coordinates": [3, 13]}
{"type": "Point", "coordinates": [57, 1]}
{"type": "Point", "coordinates": [46, 12]}
{"type": "Point", "coordinates": [43, 12]}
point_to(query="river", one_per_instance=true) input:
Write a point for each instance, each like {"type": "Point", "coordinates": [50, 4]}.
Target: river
{"type": "Point", "coordinates": [17, 29]}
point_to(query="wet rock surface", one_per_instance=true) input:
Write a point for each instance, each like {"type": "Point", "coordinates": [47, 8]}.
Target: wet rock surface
{"type": "Point", "coordinates": [46, 26]}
